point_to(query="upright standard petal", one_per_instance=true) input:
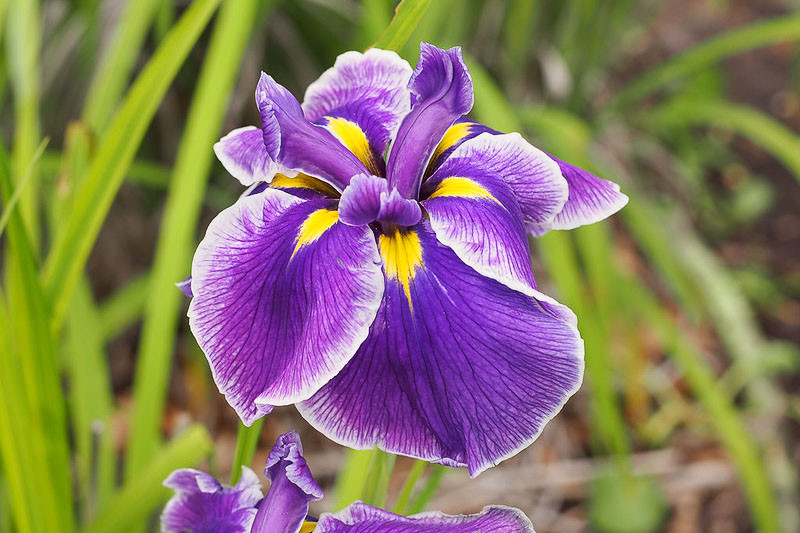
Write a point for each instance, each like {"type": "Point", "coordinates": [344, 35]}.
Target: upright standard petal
{"type": "Point", "coordinates": [283, 296]}
{"type": "Point", "coordinates": [590, 199]}
{"type": "Point", "coordinates": [362, 518]}
{"type": "Point", "coordinates": [361, 100]}
{"type": "Point", "coordinates": [243, 154]}
{"type": "Point", "coordinates": [297, 144]}
{"type": "Point", "coordinates": [458, 369]}
{"type": "Point", "coordinates": [292, 487]}
{"type": "Point", "coordinates": [441, 90]}
{"type": "Point", "coordinates": [202, 505]}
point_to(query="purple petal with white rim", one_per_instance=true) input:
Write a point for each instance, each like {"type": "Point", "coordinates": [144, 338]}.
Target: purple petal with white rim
{"type": "Point", "coordinates": [441, 90]}
{"type": "Point", "coordinates": [532, 175]}
{"type": "Point", "coordinates": [369, 90]}
{"type": "Point", "coordinates": [202, 505]}
{"type": "Point", "coordinates": [283, 296]}
{"type": "Point", "coordinates": [475, 212]}
{"type": "Point", "coordinates": [591, 199]}
{"type": "Point", "coordinates": [292, 487]}
{"type": "Point", "coordinates": [458, 369]}
{"type": "Point", "coordinates": [185, 286]}
{"type": "Point", "coordinates": [368, 199]}
{"type": "Point", "coordinates": [362, 518]}
{"type": "Point", "coordinates": [297, 144]}
{"type": "Point", "coordinates": [243, 154]}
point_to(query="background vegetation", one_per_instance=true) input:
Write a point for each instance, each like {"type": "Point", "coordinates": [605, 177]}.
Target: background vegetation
{"type": "Point", "coordinates": [689, 299]}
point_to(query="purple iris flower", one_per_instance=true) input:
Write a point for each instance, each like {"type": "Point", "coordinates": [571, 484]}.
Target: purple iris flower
{"type": "Point", "coordinates": [202, 504]}
{"type": "Point", "coordinates": [378, 275]}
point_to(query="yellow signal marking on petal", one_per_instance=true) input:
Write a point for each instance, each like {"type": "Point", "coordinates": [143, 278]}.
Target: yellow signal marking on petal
{"type": "Point", "coordinates": [354, 138]}
{"type": "Point", "coordinates": [462, 187]}
{"type": "Point", "coordinates": [307, 527]}
{"type": "Point", "coordinates": [314, 226]}
{"type": "Point", "coordinates": [402, 255]}
{"type": "Point", "coordinates": [454, 133]}
{"type": "Point", "coordinates": [303, 181]}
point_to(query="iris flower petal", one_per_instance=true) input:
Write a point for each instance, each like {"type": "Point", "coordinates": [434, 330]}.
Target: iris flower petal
{"type": "Point", "coordinates": [362, 98]}
{"type": "Point", "coordinates": [283, 296]}
{"type": "Point", "coordinates": [590, 199]}
{"type": "Point", "coordinates": [202, 504]}
{"type": "Point", "coordinates": [244, 156]}
{"type": "Point", "coordinates": [474, 202]}
{"type": "Point", "coordinates": [297, 144]}
{"type": "Point", "coordinates": [292, 487]}
{"type": "Point", "coordinates": [362, 518]}
{"type": "Point", "coordinates": [441, 89]}
{"type": "Point", "coordinates": [458, 369]}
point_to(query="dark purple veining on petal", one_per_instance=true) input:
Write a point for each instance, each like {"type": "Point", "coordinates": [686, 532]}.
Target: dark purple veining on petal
{"type": "Point", "coordinates": [469, 377]}
{"type": "Point", "coordinates": [362, 518]}
{"type": "Point", "coordinates": [441, 90]}
{"type": "Point", "coordinates": [278, 313]}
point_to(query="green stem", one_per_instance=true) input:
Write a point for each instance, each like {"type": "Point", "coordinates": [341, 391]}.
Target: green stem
{"type": "Point", "coordinates": [377, 483]}
{"type": "Point", "coordinates": [428, 490]}
{"type": "Point", "coordinates": [417, 469]}
{"type": "Point", "coordinates": [246, 444]}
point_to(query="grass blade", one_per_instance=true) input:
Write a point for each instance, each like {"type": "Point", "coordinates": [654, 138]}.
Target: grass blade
{"type": "Point", "coordinates": [122, 308]}
{"type": "Point", "coordinates": [417, 469]}
{"type": "Point", "coordinates": [114, 156]}
{"type": "Point", "coordinates": [143, 494]}
{"type": "Point", "coordinates": [8, 206]}
{"type": "Point", "coordinates": [175, 241]}
{"type": "Point", "coordinates": [91, 403]}
{"type": "Point", "coordinates": [777, 30]}
{"type": "Point", "coordinates": [406, 17]}
{"type": "Point", "coordinates": [722, 415]}
{"type": "Point", "coordinates": [352, 477]}
{"type": "Point", "coordinates": [756, 126]}
{"type": "Point", "coordinates": [246, 443]}
{"type": "Point", "coordinates": [40, 402]}
{"type": "Point", "coordinates": [112, 74]}
{"type": "Point", "coordinates": [23, 43]}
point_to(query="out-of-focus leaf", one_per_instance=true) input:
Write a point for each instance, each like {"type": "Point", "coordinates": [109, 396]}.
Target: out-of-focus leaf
{"type": "Point", "coordinates": [144, 493]}
{"type": "Point", "coordinates": [406, 17]}
{"type": "Point", "coordinates": [781, 29]}
{"type": "Point", "coordinates": [231, 33]}
{"type": "Point", "coordinates": [114, 156]}
{"type": "Point", "coordinates": [114, 70]}
{"type": "Point", "coordinates": [621, 503]}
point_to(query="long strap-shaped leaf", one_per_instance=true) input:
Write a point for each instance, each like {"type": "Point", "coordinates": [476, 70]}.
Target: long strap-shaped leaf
{"type": "Point", "coordinates": [142, 495]}
{"type": "Point", "coordinates": [764, 33]}
{"type": "Point", "coordinates": [175, 241]}
{"type": "Point", "coordinates": [406, 17]}
{"type": "Point", "coordinates": [34, 419]}
{"type": "Point", "coordinates": [114, 156]}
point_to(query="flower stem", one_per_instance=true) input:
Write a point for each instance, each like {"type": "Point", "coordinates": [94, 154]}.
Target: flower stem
{"type": "Point", "coordinates": [408, 487]}
{"type": "Point", "coordinates": [428, 490]}
{"type": "Point", "coordinates": [246, 442]}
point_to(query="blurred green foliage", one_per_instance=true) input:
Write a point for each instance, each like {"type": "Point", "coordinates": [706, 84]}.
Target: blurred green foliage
{"type": "Point", "coordinates": [113, 97]}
